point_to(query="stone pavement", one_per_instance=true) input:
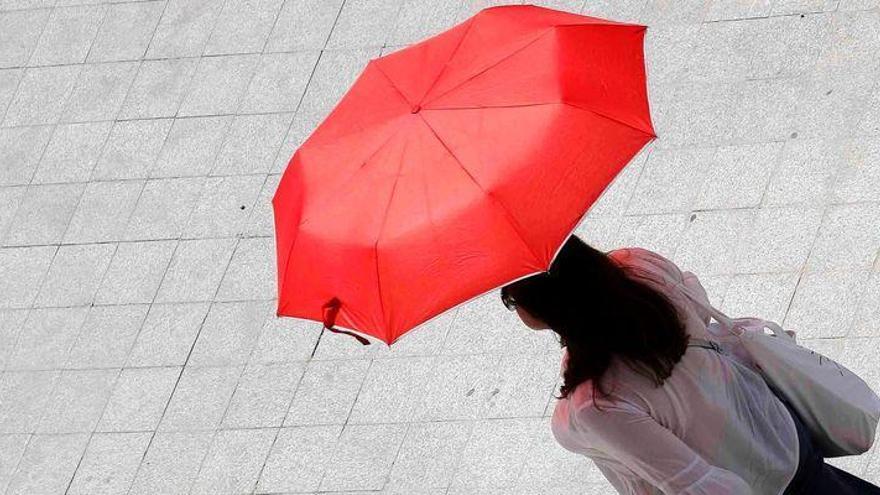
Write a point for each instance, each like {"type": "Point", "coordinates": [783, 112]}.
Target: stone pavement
{"type": "Point", "coordinates": [141, 143]}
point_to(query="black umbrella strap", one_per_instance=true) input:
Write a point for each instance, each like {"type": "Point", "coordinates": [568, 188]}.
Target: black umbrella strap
{"type": "Point", "coordinates": [330, 311]}
{"type": "Point", "coordinates": [360, 339]}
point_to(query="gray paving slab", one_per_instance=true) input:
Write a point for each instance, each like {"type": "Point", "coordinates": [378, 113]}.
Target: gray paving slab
{"type": "Point", "coordinates": [135, 272]}
{"type": "Point", "coordinates": [131, 149]}
{"type": "Point", "coordinates": [11, 449]}
{"type": "Point", "coordinates": [28, 392]}
{"type": "Point", "coordinates": [77, 401]}
{"type": "Point", "coordinates": [72, 152]}
{"type": "Point", "coordinates": [44, 214]}
{"type": "Point", "coordinates": [46, 337]}
{"type": "Point", "coordinates": [159, 88]}
{"type": "Point", "coordinates": [138, 399]}
{"type": "Point", "coordinates": [42, 93]}
{"type": "Point", "coordinates": [109, 463]}
{"type": "Point", "coordinates": [223, 206]}
{"type": "Point", "coordinates": [126, 31]}
{"type": "Point", "coordinates": [163, 208]}
{"type": "Point", "coordinates": [106, 336]}
{"type": "Point", "coordinates": [48, 463]}
{"type": "Point", "coordinates": [191, 146]}
{"type": "Point", "coordinates": [219, 84]}
{"type": "Point", "coordinates": [303, 25]}
{"type": "Point", "coordinates": [168, 334]}
{"type": "Point", "coordinates": [184, 28]}
{"type": "Point", "coordinates": [243, 27]}
{"type": "Point", "coordinates": [11, 321]}
{"type": "Point", "coordinates": [233, 461]}
{"type": "Point", "coordinates": [200, 398]}
{"type": "Point", "coordinates": [75, 275]}
{"type": "Point", "coordinates": [23, 270]}
{"type": "Point", "coordinates": [69, 33]}
{"type": "Point", "coordinates": [263, 395]}
{"type": "Point", "coordinates": [172, 461]}
{"type": "Point", "coordinates": [251, 271]}
{"type": "Point", "coordinates": [250, 144]}
{"type": "Point", "coordinates": [102, 212]}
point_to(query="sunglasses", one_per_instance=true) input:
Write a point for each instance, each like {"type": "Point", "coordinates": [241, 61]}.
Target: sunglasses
{"type": "Point", "coordinates": [509, 302]}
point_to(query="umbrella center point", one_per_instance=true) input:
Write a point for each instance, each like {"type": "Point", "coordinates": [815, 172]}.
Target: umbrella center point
{"type": "Point", "coordinates": [416, 108]}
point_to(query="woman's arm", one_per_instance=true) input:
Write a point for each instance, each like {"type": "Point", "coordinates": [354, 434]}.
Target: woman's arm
{"type": "Point", "coordinates": [625, 485]}
{"type": "Point", "coordinates": [654, 453]}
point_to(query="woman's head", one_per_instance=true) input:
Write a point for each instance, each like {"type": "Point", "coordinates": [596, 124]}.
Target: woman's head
{"type": "Point", "coordinates": [598, 310]}
{"type": "Point", "coordinates": [527, 318]}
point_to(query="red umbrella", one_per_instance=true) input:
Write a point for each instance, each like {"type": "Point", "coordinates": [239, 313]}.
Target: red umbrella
{"type": "Point", "coordinates": [456, 166]}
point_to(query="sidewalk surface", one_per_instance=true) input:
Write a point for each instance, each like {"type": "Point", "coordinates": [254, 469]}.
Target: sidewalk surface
{"type": "Point", "coordinates": [141, 143]}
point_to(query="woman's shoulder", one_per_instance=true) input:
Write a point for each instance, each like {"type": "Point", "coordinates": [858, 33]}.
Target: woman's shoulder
{"type": "Point", "coordinates": [631, 254]}
{"type": "Point", "coordinates": [634, 252]}
{"type": "Point", "coordinates": [646, 259]}
{"type": "Point", "coordinates": [617, 252]}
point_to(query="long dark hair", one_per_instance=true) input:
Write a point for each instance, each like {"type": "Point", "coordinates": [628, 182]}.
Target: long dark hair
{"type": "Point", "coordinates": [599, 309]}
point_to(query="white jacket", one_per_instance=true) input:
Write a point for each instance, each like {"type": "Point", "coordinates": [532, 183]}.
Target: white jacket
{"type": "Point", "coordinates": [713, 427]}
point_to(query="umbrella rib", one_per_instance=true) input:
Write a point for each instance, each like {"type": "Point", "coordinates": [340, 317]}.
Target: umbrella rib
{"type": "Point", "coordinates": [600, 114]}
{"type": "Point", "coordinates": [434, 82]}
{"type": "Point", "coordinates": [519, 105]}
{"type": "Point", "coordinates": [293, 243]}
{"type": "Point", "coordinates": [379, 236]}
{"type": "Point", "coordinates": [494, 64]}
{"type": "Point", "coordinates": [328, 195]}
{"type": "Point", "coordinates": [511, 218]}
{"type": "Point", "coordinates": [452, 56]}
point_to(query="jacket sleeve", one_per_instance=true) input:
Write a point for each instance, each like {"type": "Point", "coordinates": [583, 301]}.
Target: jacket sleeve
{"type": "Point", "coordinates": [625, 485]}
{"type": "Point", "coordinates": [612, 476]}
{"type": "Point", "coordinates": [654, 453]}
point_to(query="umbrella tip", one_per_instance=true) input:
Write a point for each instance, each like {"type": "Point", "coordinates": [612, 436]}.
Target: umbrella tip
{"type": "Point", "coordinates": [330, 309]}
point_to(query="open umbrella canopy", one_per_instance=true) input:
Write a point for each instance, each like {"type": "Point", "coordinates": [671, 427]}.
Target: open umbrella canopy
{"type": "Point", "coordinates": [457, 165]}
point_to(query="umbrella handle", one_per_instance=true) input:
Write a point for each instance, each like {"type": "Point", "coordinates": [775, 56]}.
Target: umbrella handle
{"type": "Point", "coordinates": [331, 308]}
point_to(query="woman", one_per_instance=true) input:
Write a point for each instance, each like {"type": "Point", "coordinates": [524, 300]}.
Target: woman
{"type": "Point", "coordinates": [648, 398]}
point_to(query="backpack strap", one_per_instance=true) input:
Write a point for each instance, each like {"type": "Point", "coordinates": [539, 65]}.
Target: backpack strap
{"type": "Point", "coordinates": [726, 322]}
{"type": "Point", "coordinates": [706, 344]}
{"type": "Point", "coordinates": [670, 269]}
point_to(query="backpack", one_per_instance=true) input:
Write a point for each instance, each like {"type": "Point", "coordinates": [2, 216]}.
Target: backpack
{"type": "Point", "coordinates": [839, 408]}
